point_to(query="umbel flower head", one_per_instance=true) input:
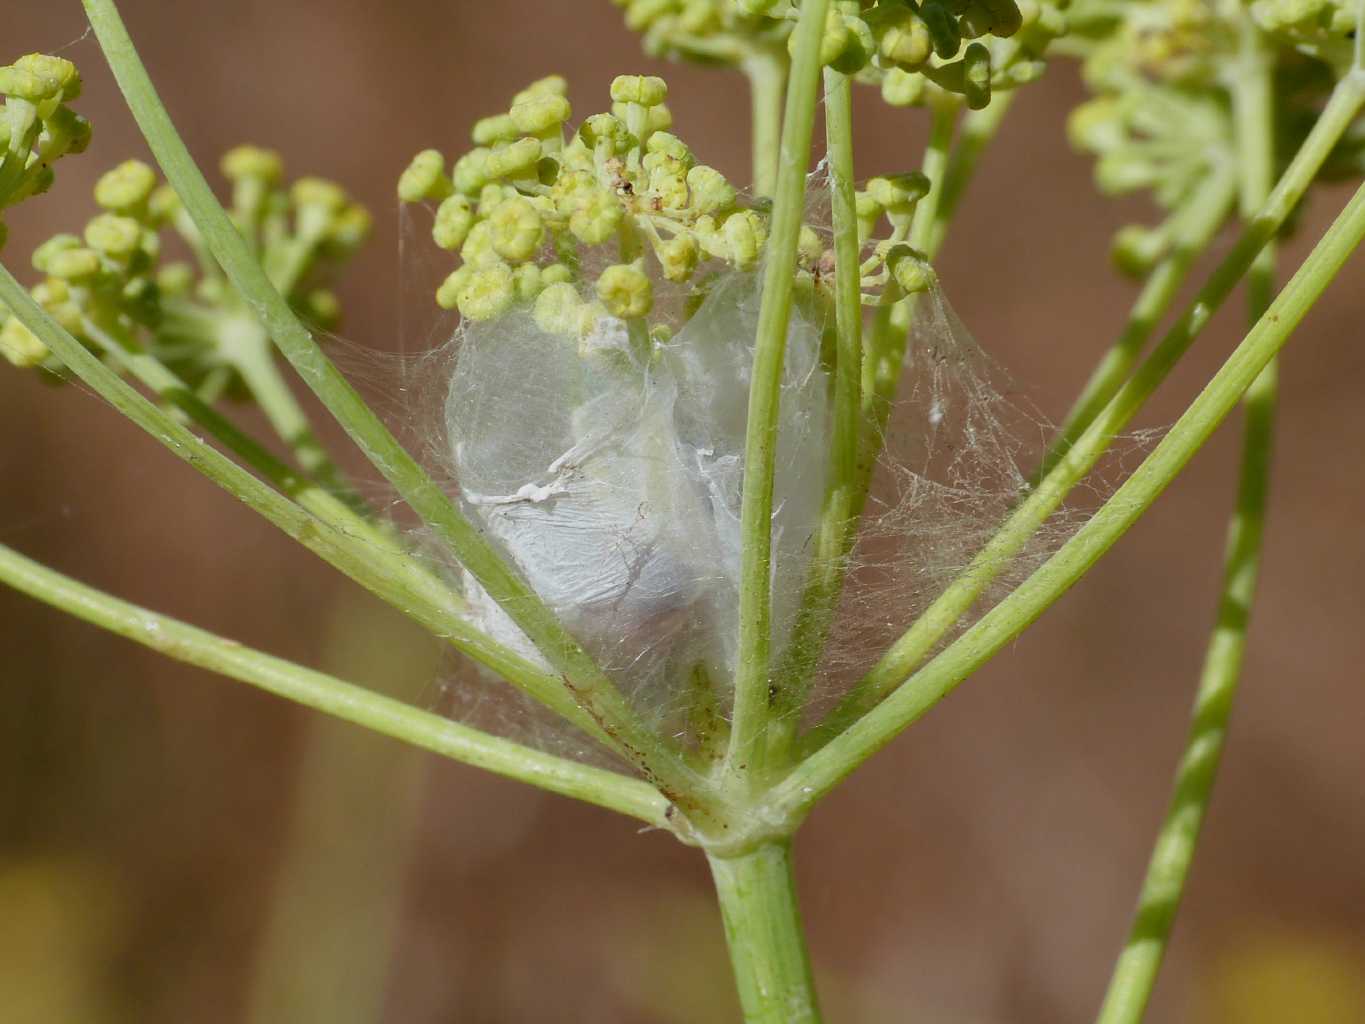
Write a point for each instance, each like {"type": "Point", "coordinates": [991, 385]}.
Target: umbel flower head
{"type": "Point", "coordinates": [914, 50]}
{"type": "Point", "coordinates": [37, 128]}
{"type": "Point", "coordinates": [111, 288]}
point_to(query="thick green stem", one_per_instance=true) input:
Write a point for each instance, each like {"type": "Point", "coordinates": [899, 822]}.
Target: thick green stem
{"type": "Point", "coordinates": [1130, 987]}
{"type": "Point", "coordinates": [835, 535]}
{"type": "Point", "coordinates": [757, 895]}
{"type": "Point", "coordinates": [333, 696]}
{"type": "Point", "coordinates": [589, 686]}
{"type": "Point", "coordinates": [766, 70]}
{"type": "Point", "coordinates": [751, 707]}
{"type": "Point", "coordinates": [909, 651]}
{"type": "Point", "coordinates": [823, 770]}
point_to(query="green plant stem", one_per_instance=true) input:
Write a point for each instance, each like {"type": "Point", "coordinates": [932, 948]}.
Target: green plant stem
{"type": "Point", "coordinates": [757, 895]}
{"type": "Point", "coordinates": [1195, 229]}
{"type": "Point", "coordinates": [1130, 987]}
{"type": "Point", "coordinates": [979, 128]}
{"type": "Point", "coordinates": [946, 610]}
{"type": "Point", "coordinates": [766, 70]}
{"type": "Point", "coordinates": [937, 159]}
{"type": "Point", "coordinates": [587, 684]}
{"type": "Point", "coordinates": [823, 770]}
{"type": "Point", "coordinates": [756, 510]}
{"type": "Point", "coordinates": [332, 696]}
{"type": "Point", "coordinates": [836, 530]}
{"type": "Point", "coordinates": [382, 572]}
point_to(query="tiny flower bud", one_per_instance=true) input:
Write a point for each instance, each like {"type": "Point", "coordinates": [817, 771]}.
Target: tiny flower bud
{"type": "Point", "coordinates": [116, 237]}
{"type": "Point", "coordinates": [424, 178]}
{"type": "Point", "coordinates": [21, 346]}
{"type": "Point", "coordinates": [558, 309]}
{"type": "Point", "coordinates": [744, 233]}
{"type": "Point", "coordinates": [487, 293]}
{"type": "Point", "coordinates": [448, 294]}
{"type": "Point", "coordinates": [42, 256]}
{"type": "Point", "coordinates": [74, 264]}
{"type": "Point", "coordinates": [646, 90]}
{"type": "Point", "coordinates": [453, 220]}
{"type": "Point", "coordinates": [595, 217]}
{"type": "Point", "coordinates": [678, 257]}
{"type": "Point", "coordinates": [516, 230]}
{"type": "Point", "coordinates": [910, 268]}
{"type": "Point", "coordinates": [541, 114]}
{"type": "Point", "coordinates": [901, 88]}
{"type": "Point", "coordinates": [625, 291]}
{"type": "Point", "coordinates": [470, 172]}
{"type": "Point", "coordinates": [254, 162]}
{"type": "Point", "coordinates": [711, 193]}
{"type": "Point", "coordinates": [517, 160]}
{"type": "Point", "coordinates": [125, 188]}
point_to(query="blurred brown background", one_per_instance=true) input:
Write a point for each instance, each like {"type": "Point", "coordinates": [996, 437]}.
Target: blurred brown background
{"type": "Point", "coordinates": [175, 847]}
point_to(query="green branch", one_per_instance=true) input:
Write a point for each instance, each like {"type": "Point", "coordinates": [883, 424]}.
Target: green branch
{"type": "Point", "coordinates": [835, 534]}
{"type": "Point", "coordinates": [332, 696]}
{"type": "Point", "coordinates": [382, 572]}
{"type": "Point", "coordinates": [827, 767]}
{"type": "Point", "coordinates": [587, 685]}
{"type": "Point", "coordinates": [946, 610]}
{"type": "Point", "coordinates": [766, 70]}
{"type": "Point", "coordinates": [751, 710]}
{"type": "Point", "coordinates": [1135, 973]}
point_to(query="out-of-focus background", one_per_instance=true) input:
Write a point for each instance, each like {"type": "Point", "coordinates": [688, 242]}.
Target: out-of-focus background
{"type": "Point", "coordinates": [177, 847]}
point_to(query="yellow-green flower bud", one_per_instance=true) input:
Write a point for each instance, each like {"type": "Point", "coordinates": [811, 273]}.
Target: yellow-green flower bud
{"type": "Point", "coordinates": [899, 193]}
{"type": "Point", "coordinates": [555, 273]}
{"type": "Point", "coordinates": [254, 162]}
{"type": "Point", "coordinates": [605, 131]}
{"type": "Point", "coordinates": [322, 307]}
{"type": "Point", "coordinates": [541, 114]}
{"type": "Point", "coordinates": [759, 7]}
{"type": "Point", "coordinates": [424, 178]}
{"type": "Point", "coordinates": [21, 346]}
{"type": "Point", "coordinates": [626, 291]}
{"type": "Point", "coordinates": [517, 160]}
{"type": "Point", "coordinates": [976, 76]}
{"type": "Point", "coordinates": [664, 146]}
{"type": "Point", "coordinates": [454, 217]}
{"type": "Point", "coordinates": [711, 193]}
{"type": "Point", "coordinates": [470, 172]}
{"type": "Point", "coordinates": [901, 88]}
{"type": "Point", "coordinates": [490, 131]}
{"type": "Point", "coordinates": [487, 293]}
{"type": "Point", "coordinates": [551, 85]}
{"type": "Point", "coordinates": [943, 28]}
{"type": "Point", "coordinates": [351, 228]}
{"type": "Point", "coordinates": [74, 264]}
{"type": "Point", "coordinates": [744, 232]}
{"type": "Point", "coordinates": [678, 257]}
{"type": "Point", "coordinates": [527, 281]}
{"type": "Point", "coordinates": [127, 187]}
{"type": "Point", "coordinates": [516, 229]}
{"type": "Point", "coordinates": [646, 90]}
{"type": "Point", "coordinates": [42, 256]}
{"type": "Point", "coordinates": [668, 186]}
{"type": "Point", "coordinates": [595, 216]}
{"type": "Point", "coordinates": [910, 268]}
{"type": "Point", "coordinates": [60, 77]}
{"type": "Point", "coordinates": [163, 205]}
{"type": "Point", "coordinates": [1136, 249]}
{"type": "Point", "coordinates": [809, 244]}
{"type": "Point", "coordinates": [448, 294]}
{"type": "Point", "coordinates": [175, 278]}
{"type": "Point", "coordinates": [905, 42]}
{"type": "Point", "coordinates": [318, 193]}
{"type": "Point", "coordinates": [117, 237]}
{"type": "Point", "coordinates": [491, 197]}
{"type": "Point", "coordinates": [478, 249]}
{"type": "Point", "coordinates": [558, 309]}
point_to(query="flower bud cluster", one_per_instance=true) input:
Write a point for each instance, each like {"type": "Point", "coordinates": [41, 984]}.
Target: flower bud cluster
{"type": "Point", "coordinates": [37, 128]}
{"type": "Point", "coordinates": [109, 286]}
{"type": "Point", "coordinates": [914, 50]}
{"type": "Point", "coordinates": [528, 210]}
{"type": "Point", "coordinates": [1161, 119]}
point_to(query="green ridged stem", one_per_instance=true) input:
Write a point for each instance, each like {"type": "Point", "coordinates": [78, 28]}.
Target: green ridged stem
{"type": "Point", "coordinates": [587, 685]}
{"type": "Point", "coordinates": [909, 651]}
{"type": "Point", "coordinates": [1134, 978]}
{"type": "Point", "coordinates": [763, 932]}
{"type": "Point", "coordinates": [751, 704]}
{"type": "Point", "coordinates": [823, 770]}
{"type": "Point", "coordinates": [333, 696]}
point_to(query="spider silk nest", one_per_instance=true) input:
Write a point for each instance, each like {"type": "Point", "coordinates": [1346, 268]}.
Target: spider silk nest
{"type": "Point", "coordinates": [613, 484]}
